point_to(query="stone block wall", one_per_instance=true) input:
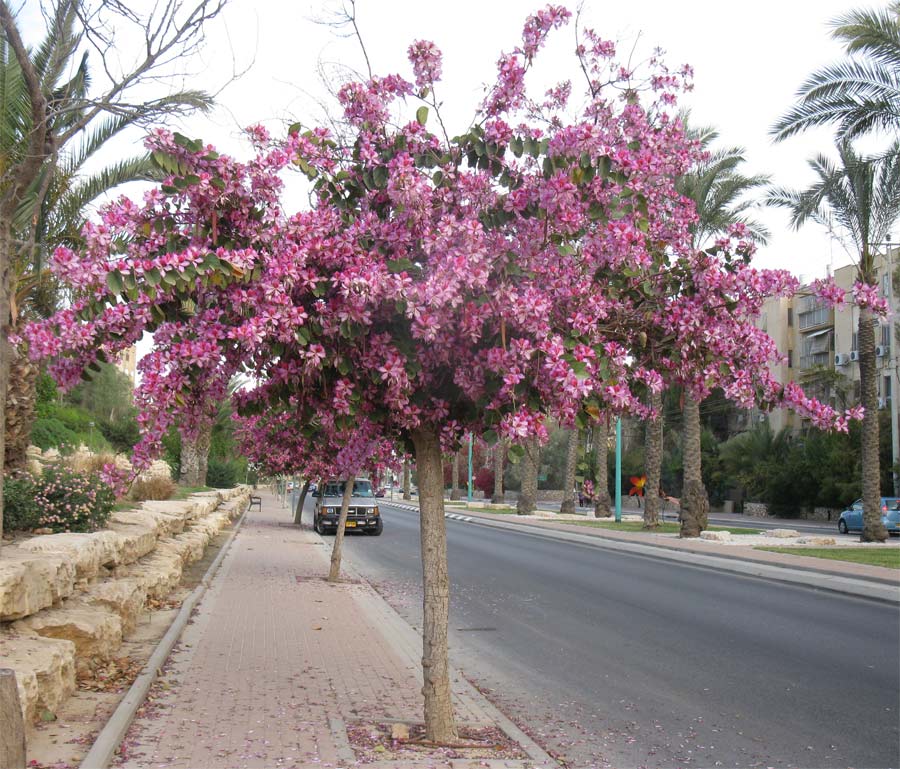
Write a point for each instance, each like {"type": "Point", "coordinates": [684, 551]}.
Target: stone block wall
{"type": "Point", "coordinates": [67, 599]}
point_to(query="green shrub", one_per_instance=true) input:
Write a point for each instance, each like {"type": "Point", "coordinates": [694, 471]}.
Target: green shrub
{"type": "Point", "coordinates": [122, 434]}
{"type": "Point", "coordinates": [71, 501]}
{"type": "Point", "coordinates": [48, 432]}
{"type": "Point", "coordinates": [20, 511]}
{"type": "Point", "coordinates": [222, 474]}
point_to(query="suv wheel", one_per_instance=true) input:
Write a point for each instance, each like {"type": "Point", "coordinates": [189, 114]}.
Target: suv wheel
{"type": "Point", "coordinates": [376, 532]}
{"type": "Point", "coordinates": [842, 527]}
{"type": "Point", "coordinates": [317, 525]}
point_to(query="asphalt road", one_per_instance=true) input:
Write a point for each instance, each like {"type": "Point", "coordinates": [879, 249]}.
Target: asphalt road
{"type": "Point", "coordinates": [613, 659]}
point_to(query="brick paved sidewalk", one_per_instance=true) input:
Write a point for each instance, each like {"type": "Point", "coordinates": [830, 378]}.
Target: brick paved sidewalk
{"type": "Point", "coordinates": [276, 662]}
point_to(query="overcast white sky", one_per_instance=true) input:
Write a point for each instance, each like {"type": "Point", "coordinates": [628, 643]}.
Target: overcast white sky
{"type": "Point", "coordinates": [749, 59]}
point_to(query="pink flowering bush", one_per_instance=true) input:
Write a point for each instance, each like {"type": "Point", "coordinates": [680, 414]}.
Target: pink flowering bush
{"type": "Point", "coordinates": [70, 501]}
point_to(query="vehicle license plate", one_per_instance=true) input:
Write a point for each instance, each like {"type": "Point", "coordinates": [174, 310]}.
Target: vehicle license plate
{"type": "Point", "coordinates": [351, 524]}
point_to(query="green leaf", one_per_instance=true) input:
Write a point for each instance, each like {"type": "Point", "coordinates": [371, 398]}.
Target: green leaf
{"type": "Point", "coordinates": [516, 453]}
{"type": "Point", "coordinates": [380, 177]}
{"type": "Point", "coordinates": [342, 366]}
{"type": "Point", "coordinates": [491, 437]}
{"type": "Point", "coordinates": [517, 146]}
{"type": "Point", "coordinates": [181, 140]}
{"type": "Point", "coordinates": [579, 367]}
{"type": "Point", "coordinates": [218, 183]}
{"type": "Point", "coordinates": [422, 115]}
{"type": "Point", "coordinates": [400, 265]}
{"type": "Point", "coordinates": [114, 282]}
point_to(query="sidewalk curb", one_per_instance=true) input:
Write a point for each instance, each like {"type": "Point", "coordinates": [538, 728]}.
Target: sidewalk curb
{"type": "Point", "coordinates": [108, 740]}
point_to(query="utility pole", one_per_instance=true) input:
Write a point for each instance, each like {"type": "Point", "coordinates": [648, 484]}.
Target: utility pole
{"type": "Point", "coordinates": [892, 367]}
{"type": "Point", "coordinates": [618, 469]}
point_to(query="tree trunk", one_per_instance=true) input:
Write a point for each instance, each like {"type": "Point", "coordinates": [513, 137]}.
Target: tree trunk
{"type": "Point", "coordinates": [454, 480]}
{"type": "Point", "coordinates": [873, 528]}
{"type": "Point", "coordinates": [440, 724]}
{"type": "Point", "coordinates": [20, 401]}
{"type": "Point", "coordinates": [5, 348]}
{"type": "Point", "coordinates": [407, 491]}
{"type": "Point", "coordinates": [298, 511]}
{"type": "Point", "coordinates": [528, 492]}
{"type": "Point", "coordinates": [204, 439]}
{"type": "Point", "coordinates": [694, 500]}
{"type": "Point", "coordinates": [568, 501]}
{"type": "Point", "coordinates": [653, 450]}
{"type": "Point", "coordinates": [499, 462]}
{"type": "Point", "coordinates": [602, 501]}
{"type": "Point", "coordinates": [189, 474]}
{"type": "Point", "coordinates": [334, 574]}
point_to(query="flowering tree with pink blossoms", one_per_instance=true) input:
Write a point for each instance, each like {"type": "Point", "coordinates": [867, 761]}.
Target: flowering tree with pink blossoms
{"type": "Point", "coordinates": [537, 265]}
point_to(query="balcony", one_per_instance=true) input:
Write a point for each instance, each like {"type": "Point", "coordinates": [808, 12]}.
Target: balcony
{"type": "Point", "coordinates": [815, 359]}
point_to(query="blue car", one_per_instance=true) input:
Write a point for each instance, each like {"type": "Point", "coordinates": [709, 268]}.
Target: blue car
{"type": "Point", "coordinates": [852, 518]}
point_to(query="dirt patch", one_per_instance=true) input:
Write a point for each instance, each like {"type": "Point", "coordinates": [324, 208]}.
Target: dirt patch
{"type": "Point", "coordinates": [374, 742]}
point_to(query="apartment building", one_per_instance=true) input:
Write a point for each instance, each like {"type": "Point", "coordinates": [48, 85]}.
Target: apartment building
{"type": "Point", "coordinates": [126, 362]}
{"type": "Point", "coordinates": [820, 345]}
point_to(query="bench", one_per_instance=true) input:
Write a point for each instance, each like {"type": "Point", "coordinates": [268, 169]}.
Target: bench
{"type": "Point", "coordinates": [257, 501]}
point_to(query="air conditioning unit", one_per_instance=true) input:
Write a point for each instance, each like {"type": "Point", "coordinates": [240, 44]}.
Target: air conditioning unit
{"type": "Point", "coordinates": [761, 417]}
{"type": "Point", "coordinates": [854, 355]}
{"type": "Point", "coordinates": [882, 403]}
{"type": "Point", "coordinates": [881, 350]}
{"type": "Point", "coordinates": [841, 359]}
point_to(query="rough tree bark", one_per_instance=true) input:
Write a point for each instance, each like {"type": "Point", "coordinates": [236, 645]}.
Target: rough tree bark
{"type": "Point", "coordinates": [440, 724]}
{"type": "Point", "coordinates": [189, 472]}
{"type": "Point", "coordinates": [5, 348]}
{"type": "Point", "coordinates": [873, 529]}
{"type": "Point", "coordinates": [20, 400]}
{"type": "Point", "coordinates": [530, 463]}
{"type": "Point", "coordinates": [499, 461]}
{"type": "Point", "coordinates": [454, 480]}
{"type": "Point", "coordinates": [567, 507]}
{"type": "Point", "coordinates": [653, 458]}
{"type": "Point", "coordinates": [602, 501]}
{"type": "Point", "coordinates": [407, 481]}
{"type": "Point", "coordinates": [204, 439]}
{"type": "Point", "coordinates": [298, 511]}
{"type": "Point", "coordinates": [694, 500]}
{"type": "Point", "coordinates": [334, 573]}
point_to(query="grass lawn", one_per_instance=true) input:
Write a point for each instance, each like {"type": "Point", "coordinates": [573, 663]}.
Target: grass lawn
{"type": "Point", "coordinates": [663, 528]}
{"type": "Point", "coordinates": [873, 556]}
{"type": "Point", "coordinates": [183, 492]}
{"type": "Point", "coordinates": [498, 511]}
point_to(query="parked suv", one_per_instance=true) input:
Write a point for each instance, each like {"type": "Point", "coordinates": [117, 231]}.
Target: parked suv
{"type": "Point", "coordinates": [363, 514]}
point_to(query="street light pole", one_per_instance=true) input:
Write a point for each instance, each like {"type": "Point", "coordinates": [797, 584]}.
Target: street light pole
{"type": "Point", "coordinates": [892, 368]}
{"type": "Point", "coordinates": [469, 494]}
{"type": "Point", "coordinates": [618, 469]}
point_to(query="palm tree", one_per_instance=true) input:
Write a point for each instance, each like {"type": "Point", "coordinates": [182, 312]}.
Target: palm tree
{"type": "Point", "coordinates": [860, 93]}
{"type": "Point", "coordinates": [861, 195]}
{"type": "Point", "coordinates": [567, 506]}
{"type": "Point", "coordinates": [719, 192]}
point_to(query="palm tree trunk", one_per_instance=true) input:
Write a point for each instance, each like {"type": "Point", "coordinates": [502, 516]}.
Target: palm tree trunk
{"type": "Point", "coordinates": [602, 501]}
{"type": "Point", "coordinates": [334, 573]}
{"type": "Point", "coordinates": [20, 401]}
{"type": "Point", "coordinates": [654, 450]}
{"type": "Point", "coordinates": [407, 484]}
{"type": "Point", "coordinates": [499, 462]}
{"type": "Point", "coordinates": [568, 501]}
{"type": "Point", "coordinates": [873, 528]}
{"type": "Point", "coordinates": [298, 511]}
{"type": "Point", "coordinates": [5, 348]}
{"type": "Point", "coordinates": [440, 724]}
{"type": "Point", "coordinates": [454, 480]}
{"type": "Point", "coordinates": [528, 492]}
{"type": "Point", "coordinates": [694, 500]}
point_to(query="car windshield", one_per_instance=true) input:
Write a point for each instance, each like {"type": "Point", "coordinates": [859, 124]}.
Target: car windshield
{"type": "Point", "coordinates": [361, 488]}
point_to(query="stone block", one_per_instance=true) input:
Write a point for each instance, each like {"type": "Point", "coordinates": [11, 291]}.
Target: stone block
{"type": "Point", "coordinates": [88, 552]}
{"type": "Point", "coordinates": [157, 574]}
{"type": "Point", "coordinates": [125, 597]}
{"type": "Point", "coordinates": [45, 670]}
{"type": "Point", "coordinates": [782, 533]}
{"type": "Point", "coordinates": [182, 510]}
{"type": "Point", "coordinates": [135, 540]}
{"type": "Point", "coordinates": [716, 536]}
{"type": "Point", "coordinates": [32, 581]}
{"type": "Point", "coordinates": [95, 631]}
{"type": "Point", "coordinates": [818, 541]}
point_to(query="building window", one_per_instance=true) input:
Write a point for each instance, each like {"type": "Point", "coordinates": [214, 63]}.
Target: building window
{"type": "Point", "coordinates": [790, 357]}
{"type": "Point", "coordinates": [885, 336]}
{"type": "Point", "coordinates": [886, 388]}
{"type": "Point", "coordinates": [790, 317]}
{"type": "Point", "coordinates": [854, 343]}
